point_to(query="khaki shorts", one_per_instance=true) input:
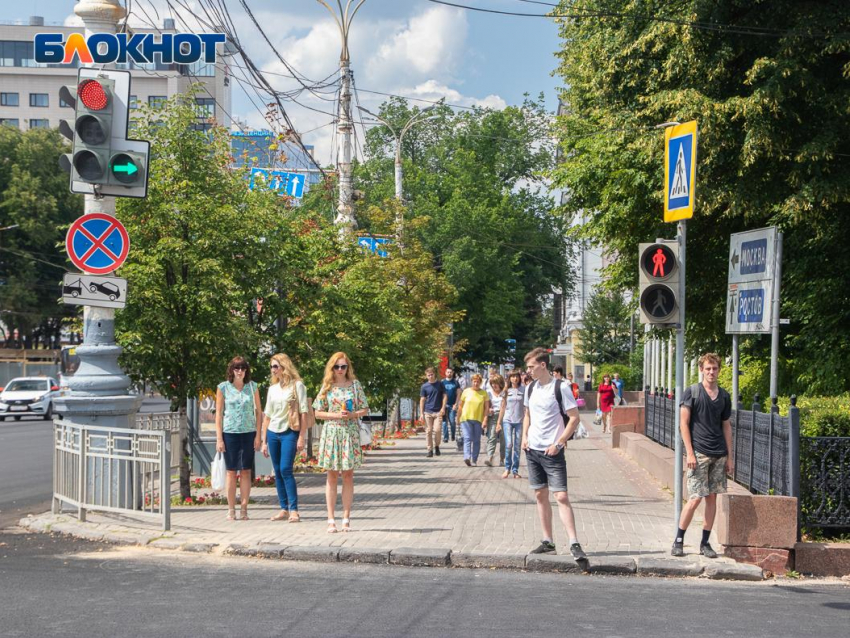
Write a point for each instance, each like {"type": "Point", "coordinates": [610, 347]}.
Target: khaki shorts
{"type": "Point", "coordinates": [709, 477]}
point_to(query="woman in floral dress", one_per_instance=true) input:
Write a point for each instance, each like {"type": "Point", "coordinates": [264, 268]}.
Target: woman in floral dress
{"type": "Point", "coordinates": [340, 404]}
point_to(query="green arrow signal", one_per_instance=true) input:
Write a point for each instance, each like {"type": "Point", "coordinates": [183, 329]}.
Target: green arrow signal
{"type": "Point", "coordinates": [128, 168]}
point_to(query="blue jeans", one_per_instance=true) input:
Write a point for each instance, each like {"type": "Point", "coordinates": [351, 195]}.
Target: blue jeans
{"type": "Point", "coordinates": [282, 448]}
{"type": "Point", "coordinates": [449, 424]}
{"type": "Point", "coordinates": [471, 440]}
{"type": "Point", "coordinates": [513, 434]}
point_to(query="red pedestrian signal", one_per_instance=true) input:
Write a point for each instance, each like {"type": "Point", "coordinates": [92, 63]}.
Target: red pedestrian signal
{"type": "Point", "coordinates": [658, 262]}
{"type": "Point", "coordinates": [659, 283]}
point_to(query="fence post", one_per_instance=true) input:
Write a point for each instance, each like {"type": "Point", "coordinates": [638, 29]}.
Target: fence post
{"type": "Point", "coordinates": [84, 479]}
{"type": "Point", "coordinates": [774, 413]}
{"type": "Point", "coordinates": [794, 457]}
{"type": "Point", "coordinates": [739, 405]}
{"type": "Point", "coordinates": [756, 410]}
{"type": "Point", "coordinates": [165, 480]}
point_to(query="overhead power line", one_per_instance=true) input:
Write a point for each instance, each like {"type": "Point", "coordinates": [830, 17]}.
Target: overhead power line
{"type": "Point", "coordinates": [697, 25]}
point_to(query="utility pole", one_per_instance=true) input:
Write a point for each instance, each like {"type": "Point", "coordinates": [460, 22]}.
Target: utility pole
{"type": "Point", "coordinates": [399, 138]}
{"type": "Point", "coordinates": [345, 207]}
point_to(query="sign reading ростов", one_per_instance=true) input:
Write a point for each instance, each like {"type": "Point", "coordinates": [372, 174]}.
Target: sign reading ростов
{"type": "Point", "coordinates": [108, 48]}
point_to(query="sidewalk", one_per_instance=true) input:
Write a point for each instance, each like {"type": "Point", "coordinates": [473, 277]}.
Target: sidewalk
{"type": "Point", "coordinates": [405, 500]}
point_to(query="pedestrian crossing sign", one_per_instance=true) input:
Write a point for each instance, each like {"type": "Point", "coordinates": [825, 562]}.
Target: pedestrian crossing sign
{"type": "Point", "coordinates": [680, 171]}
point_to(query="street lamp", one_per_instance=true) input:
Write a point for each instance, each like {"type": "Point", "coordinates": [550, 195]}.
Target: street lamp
{"type": "Point", "coordinates": [399, 137]}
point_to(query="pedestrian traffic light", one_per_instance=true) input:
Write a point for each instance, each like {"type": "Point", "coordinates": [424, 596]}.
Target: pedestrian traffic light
{"type": "Point", "coordinates": [103, 160]}
{"type": "Point", "coordinates": [659, 283]}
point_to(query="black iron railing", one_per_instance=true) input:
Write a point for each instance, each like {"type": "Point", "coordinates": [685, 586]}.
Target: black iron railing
{"type": "Point", "coordinates": [825, 481]}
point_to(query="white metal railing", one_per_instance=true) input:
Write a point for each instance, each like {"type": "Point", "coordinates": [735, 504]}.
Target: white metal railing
{"type": "Point", "coordinates": [170, 422]}
{"type": "Point", "coordinates": [112, 470]}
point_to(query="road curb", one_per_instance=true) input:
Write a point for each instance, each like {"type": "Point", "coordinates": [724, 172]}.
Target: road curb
{"type": "Point", "coordinates": [408, 556]}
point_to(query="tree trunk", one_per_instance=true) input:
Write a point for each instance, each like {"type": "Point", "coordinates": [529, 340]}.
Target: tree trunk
{"type": "Point", "coordinates": [185, 458]}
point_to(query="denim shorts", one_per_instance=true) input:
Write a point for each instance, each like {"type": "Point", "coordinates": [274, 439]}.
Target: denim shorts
{"type": "Point", "coordinates": [546, 471]}
{"type": "Point", "coordinates": [239, 451]}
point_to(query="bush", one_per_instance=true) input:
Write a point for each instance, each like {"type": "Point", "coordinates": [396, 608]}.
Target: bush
{"type": "Point", "coordinates": [753, 378]}
{"type": "Point", "coordinates": [821, 416]}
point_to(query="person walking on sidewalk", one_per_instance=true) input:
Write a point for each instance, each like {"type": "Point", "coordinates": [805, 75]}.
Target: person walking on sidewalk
{"type": "Point", "coordinates": [544, 439]}
{"type": "Point", "coordinates": [238, 418]}
{"type": "Point", "coordinates": [573, 385]}
{"type": "Point", "coordinates": [619, 384]}
{"type": "Point", "coordinates": [473, 409]}
{"type": "Point", "coordinates": [340, 403]}
{"type": "Point", "coordinates": [605, 400]}
{"type": "Point", "coordinates": [452, 390]}
{"type": "Point", "coordinates": [494, 425]}
{"type": "Point", "coordinates": [707, 434]}
{"type": "Point", "coordinates": [510, 419]}
{"type": "Point", "coordinates": [432, 407]}
{"type": "Point", "coordinates": [284, 426]}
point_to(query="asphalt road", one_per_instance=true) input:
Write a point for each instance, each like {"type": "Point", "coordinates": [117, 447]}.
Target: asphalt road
{"type": "Point", "coordinates": [26, 464]}
{"type": "Point", "coordinates": [57, 587]}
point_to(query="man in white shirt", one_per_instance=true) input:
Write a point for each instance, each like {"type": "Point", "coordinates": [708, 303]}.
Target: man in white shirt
{"type": "Point", "coordinates": [544, 439]}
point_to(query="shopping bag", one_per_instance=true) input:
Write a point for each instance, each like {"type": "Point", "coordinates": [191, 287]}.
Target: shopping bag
{"type": "Point", "coordinates": [581, 403]}
{"type": "Point", "coordinates": [598, 419]}
{"type": "Point", "coordinates": [218, 472]}
{"type": "Point", "coordinates": [581, 432]}
{"type": "Point", "coordinates": [365, 433]}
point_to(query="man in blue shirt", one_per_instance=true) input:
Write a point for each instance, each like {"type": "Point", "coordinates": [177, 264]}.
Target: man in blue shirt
{"type": "Point", "coordinates": [452, 390]}
{"type": "Point", "coordinates": [618, 385]}
{"type": "Point", "coordinates": [432, 407]}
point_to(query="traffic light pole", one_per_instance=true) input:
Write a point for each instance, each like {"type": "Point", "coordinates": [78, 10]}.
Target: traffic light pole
{"type": "Point", "coordinates": [680, 369]}
{"type": "Point", "coordinates": [99, 388]}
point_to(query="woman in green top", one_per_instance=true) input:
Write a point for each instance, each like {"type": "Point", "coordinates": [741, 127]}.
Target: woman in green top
{"type": "Point", "coordinates": [238, 417]}
{"type": "Point", "coordinates": [474, 405]}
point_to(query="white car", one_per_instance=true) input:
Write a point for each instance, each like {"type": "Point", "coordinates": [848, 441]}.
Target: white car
{"type": "Point", "coordinates": [28, 396]}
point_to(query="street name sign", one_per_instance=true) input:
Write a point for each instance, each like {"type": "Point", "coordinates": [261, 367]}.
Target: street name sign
{"type": "Point", "coordinates": [374, 244]}
{"type": "Point", "coordinates": [97, 243]}
{"type": "Point", "coordinates": [750, 289]}
{"type": "Point", "coordinates": [85, 290]}
{"type": "Point", "coordinates": [284, 182]}
{"type": "Point", "coordinates": [680, 171]}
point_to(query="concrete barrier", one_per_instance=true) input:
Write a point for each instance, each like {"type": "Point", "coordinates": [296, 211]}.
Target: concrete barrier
{"type": "Point", "coordinates": [822, 559]}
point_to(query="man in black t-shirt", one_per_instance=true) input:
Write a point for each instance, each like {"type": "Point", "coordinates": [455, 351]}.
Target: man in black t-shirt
{"type": "Point", "coordinates": [707, 434]}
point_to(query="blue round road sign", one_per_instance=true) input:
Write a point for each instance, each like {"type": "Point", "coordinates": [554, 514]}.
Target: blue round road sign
{"type": "Point", "coordinates": [97, 243]}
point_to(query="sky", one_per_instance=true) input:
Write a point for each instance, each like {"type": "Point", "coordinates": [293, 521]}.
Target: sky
{"type": "Point", "coordinates": [413, 48]}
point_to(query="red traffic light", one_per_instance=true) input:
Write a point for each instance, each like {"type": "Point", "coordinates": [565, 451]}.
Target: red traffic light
{"type": "Point", "coordinates": [658, 262]}
{"type": "Point", "coordinates": [93, 95]}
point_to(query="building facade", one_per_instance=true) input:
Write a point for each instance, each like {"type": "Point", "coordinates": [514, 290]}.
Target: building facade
{"type": "Point", "coordinates": [29, 92]}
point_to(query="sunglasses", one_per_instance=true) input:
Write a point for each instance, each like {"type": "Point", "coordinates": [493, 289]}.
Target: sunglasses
{"type": "Point", "coordinates": [242, 368]}
{"type": "Point", "coordinates": [274, 366]}
{"type": "Point", "coordinates": [341, 366]}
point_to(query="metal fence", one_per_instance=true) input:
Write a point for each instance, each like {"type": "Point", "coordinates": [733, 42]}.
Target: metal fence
{"type": "Point", "coordinates": [825, 481]}
{"type": "Point", "coordinates": [660, 417]}
{"type": "Point", "coordinates": [171, 422]}
{"type": "Point", "coordinates": [112, 470]}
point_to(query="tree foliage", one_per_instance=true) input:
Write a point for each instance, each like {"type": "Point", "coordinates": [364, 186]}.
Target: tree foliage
{"type": "Point", "coordinates": [773, 131]}
{"type": "Point", "coordinates": [606, 329]}
{"type": "Point", "coordinates": [34, 196]}
{"type": "Point", "coordinates": [474, 198]}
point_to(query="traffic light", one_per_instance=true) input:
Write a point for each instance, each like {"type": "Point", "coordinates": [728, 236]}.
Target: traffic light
{"type": "Point", "coordinates": [659, 283]}
{"type": "Point", "coordinates": [103, 160]}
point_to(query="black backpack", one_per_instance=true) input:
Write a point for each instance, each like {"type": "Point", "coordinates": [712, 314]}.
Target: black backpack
{"type": "Point", "coordinates": [558, 398]}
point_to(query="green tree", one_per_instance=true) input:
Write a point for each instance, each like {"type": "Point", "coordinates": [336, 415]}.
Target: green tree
{"type": "Point", "coordinates": [474, 180]}
{"type": "Point", "coordinates": [773, 126]}
{"type": "Point", "coordinates": [606, 330]}
{"type": "Point", "coordinates": [34, 196]}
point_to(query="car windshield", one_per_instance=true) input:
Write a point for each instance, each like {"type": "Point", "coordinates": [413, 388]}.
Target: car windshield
{"type": "Point", "coordinates": [28, 385]}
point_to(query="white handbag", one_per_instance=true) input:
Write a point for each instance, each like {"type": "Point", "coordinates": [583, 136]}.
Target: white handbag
{"type": "Point", "coordinates": [218, 472]}
{"type": "Point", "coordinates": [365, 428]}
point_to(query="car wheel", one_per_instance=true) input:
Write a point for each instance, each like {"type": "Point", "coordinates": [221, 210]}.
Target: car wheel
{"type": "Point", "coordinates": [75, 294]}
{"type": "Point", "coordinates": [93, 288]}
{"type": "Point", "coordinates": [111, 297]}
{"type": "Point", "coordinates": [48, 416]}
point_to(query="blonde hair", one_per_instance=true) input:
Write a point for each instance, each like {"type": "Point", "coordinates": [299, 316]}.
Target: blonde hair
{"type": "Point", "coordinates": [477, 377]}
{"type": "Point", "coordinates": [288, 374]}
{"type": "Point", "coordinates": [497, 381]}
{"type": "Point", "coordinates": [328, 379]}
{"type": "Point", "coordinates": [710, 357]}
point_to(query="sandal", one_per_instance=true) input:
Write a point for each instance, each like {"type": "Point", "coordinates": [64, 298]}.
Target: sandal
{"type": "Point", "coordinates": [517, 475]}
{"type": "Point", "coordinates": [506, 474]}
{"type": "Point", "coordinates": [281, 515]}
{"type": "Point", "coordinates": [332, 526]}
{"type": "Point", "coordinates": [346, 525]}
{"type": "Point", "coordinates": [294, 517]}
{"type": "Point", "coordinates": [231, 515]}
{"type": "Point", "coordinates": [244, 516]}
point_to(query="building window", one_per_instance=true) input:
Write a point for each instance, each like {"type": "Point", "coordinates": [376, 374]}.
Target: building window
{"type": "Point", "coordinates": [39, 99]}
{"type": "Point", "coordinates": [134, 102]}
{"type": "Point", "coordinates": [156, 101]}
{"type": "Point", "coordinates": [206, 107]}
{"type": "Point", "coordinates": [40, 123]}
{"type": "Point", "coordinates": [10, 121]}
{"type": "Point", "coordinates": [206, 126]}
{"type": "Point", "coordinates": [9, 99]}
{"type": "Point", "coordinates": [199, 69]}
{"type": "Point", "coordinates": [15, 53]}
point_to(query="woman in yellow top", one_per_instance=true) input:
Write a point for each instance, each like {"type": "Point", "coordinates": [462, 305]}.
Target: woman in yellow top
{"type": "Point", "coordinates": [474, 405]}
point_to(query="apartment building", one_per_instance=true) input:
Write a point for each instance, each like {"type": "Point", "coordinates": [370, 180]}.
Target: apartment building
{"type": "Point", "coordinates": [29, 92]}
